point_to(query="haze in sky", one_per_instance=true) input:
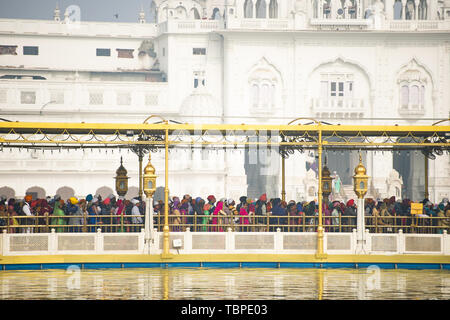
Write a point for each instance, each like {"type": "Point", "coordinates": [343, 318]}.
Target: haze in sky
{"type": "Point", "coordinates": [91, 10]}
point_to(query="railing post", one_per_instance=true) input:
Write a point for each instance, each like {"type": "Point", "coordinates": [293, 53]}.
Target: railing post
{"type": "Point", "coordinates": [401, 242]}
{"type": "Point", "coordinates": [187, 240]}
{"type": "Point", "coordinates": [278, 241]}
{"type": "Point", "coordinates": [195, 221]}
{"type": "Point", "coordinates": [445, 243]}
{"type": "Point", "coordinates": [99, 241]}
{"type": "Point", "coordinates": [5, 244]}
{"type": "Point", "coordinates": [53, 243]}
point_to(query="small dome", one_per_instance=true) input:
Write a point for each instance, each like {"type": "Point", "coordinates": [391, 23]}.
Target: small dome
{"type": "Point", "coordinates": [200, 103]}
{"type": "Point", "coordinates": [121, 171]}
{"type": "Point", "coordinates": [149, 168]}
{"type": "Point", "coordinates": [360, 170]}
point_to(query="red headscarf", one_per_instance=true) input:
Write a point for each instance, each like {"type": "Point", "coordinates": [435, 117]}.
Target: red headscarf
{"type": "Point", "coordinates": [350, 203]}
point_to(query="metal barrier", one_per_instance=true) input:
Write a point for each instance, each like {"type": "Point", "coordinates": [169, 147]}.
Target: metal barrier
{"type": "Point", "coordinates": [212, 223]}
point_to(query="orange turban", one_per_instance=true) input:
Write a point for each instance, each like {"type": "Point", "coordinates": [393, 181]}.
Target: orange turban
{"type": "Point", "coordinates": [28, 198]}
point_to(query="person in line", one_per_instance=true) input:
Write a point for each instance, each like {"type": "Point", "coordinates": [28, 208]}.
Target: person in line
{"type": "Point", "coordinates": [136, 215]}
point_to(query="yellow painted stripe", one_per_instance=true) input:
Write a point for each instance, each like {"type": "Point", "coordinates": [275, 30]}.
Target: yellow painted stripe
{"type": "Point", "coordinates": [110, 258]}
{"type": "Point", "coordinates": [376, 130]}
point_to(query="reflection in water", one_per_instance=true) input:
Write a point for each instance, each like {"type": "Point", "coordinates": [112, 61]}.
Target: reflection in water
{"type": "Point", "coordinates": [233, 284]}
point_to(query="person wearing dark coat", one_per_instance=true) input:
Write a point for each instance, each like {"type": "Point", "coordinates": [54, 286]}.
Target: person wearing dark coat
{"type": "Point", "coordinates": [351, 214]}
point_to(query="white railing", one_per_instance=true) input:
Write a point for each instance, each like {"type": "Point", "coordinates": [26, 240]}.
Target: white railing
{"type": "Point", "coordinates": [190, 26]}
{"type": "Point", "coordinates": [46, 95]}
{"type": "Point", "coordinates": [335, 104]}
{"type": "Point", "coordinates": [223, 243]}
{"type": "Point", "coordinates": [81, 28]}
{"type": "Point", "coordinates": [145, 30]}
{"type": "Point", "coordinates": [412, 25]}
{"type": "Point", "coordinates": [269, 24]}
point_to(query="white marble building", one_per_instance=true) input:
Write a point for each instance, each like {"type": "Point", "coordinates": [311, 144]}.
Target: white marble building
{"type": "Point", "coordinates": [235, 61]}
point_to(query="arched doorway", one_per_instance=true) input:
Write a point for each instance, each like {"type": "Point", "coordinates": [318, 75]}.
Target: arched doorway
{"type": "Point", "coordinates": [104, 191]}
{"type": "Point", "coordinates": [7, 192]}
{"type": "Point", "coordinates": [65, 193]}
{"type": "Point", "coordinates": [36, 192]}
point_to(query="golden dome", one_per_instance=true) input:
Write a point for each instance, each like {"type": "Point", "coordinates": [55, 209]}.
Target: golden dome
{"type": "Point", "coordinates": [149, 168]}
{"type": "Point", "coordinates": [360, 170]}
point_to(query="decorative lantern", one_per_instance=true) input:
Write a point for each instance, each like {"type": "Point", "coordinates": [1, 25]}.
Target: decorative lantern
{"type": "Point", "coordinates": [149, 178]}
{"type": "Point", "coordinates": [121, 180]}
{"type": "Point", "coordinates": [360, 180]}
{"type": "Point", "coordinates": [326, 180]}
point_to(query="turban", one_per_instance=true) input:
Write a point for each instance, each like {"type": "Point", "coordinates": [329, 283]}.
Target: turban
{"type": "Point", "coordinates": [350, 203]}
{"type": "Point", "coordinates": [28, 198]}
{"type": "Point", "coordinates": [107, 201]}
{"type": "Point", "coordinates": [230, 201]}
{"type": "Point", "coordinates": [95, 199]}
{"type": "Point", "coordinates": [73, 200]}
{"type": "Point", "coordinates": [134, 201]}
{"type": "Point", "coordinates": [210, 197]}
{"type": "Point", "coordinates": [263, 197]}
{"type": "Point", "coordinates": [89, 197]}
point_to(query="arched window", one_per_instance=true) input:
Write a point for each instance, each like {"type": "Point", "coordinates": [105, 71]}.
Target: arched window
{"type": "Point", "coordinates": [423, 10]}
{"type": "Point", "coordinates": [272, 96]}
{"type": "Point", "coordinates": [273, 9]}
{"type": "Point", "coordinates": [264, 87]}
{"type": "Point", "coordinates": [398, 10]}
{"type": "Point", "coordinates": [181, 12]}
{"type": "Point", "coordinates": [410, 9]}
{"type": "Point", "coordinates": [248, 9]}
{"type": "Point", "coordinates": [414, 96]}
{"type": "Point", "coordinates": [153, 14]}
{"type": "Point", "coordinates": [216, 14]}
{"type": "Point", "coordinates": [404, 97]}
{"type": "Point", "coordinates": [265, 94]}
{"type": "Point", "coordinates": [194, 14]}
{"type": "Point", "coordinates": [422, 97]}
{"type": "Point", "coordinates": [261, 9]}
{"type": "Point", "coordinates": [255, 95]}
{"type": "Point", "coordinates": [414, 85]}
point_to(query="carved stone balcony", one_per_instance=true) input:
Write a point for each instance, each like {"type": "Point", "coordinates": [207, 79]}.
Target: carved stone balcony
{"type": "Point", "coordinates": [338, 107]}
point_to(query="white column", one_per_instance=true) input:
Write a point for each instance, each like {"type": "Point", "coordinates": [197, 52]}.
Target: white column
{"type": "Point", "coordinates": [389, 8]}
{"type": "Point", "coordinates": [4, 247]}
{"type": "Point", "coordinates": [148, 226]}
{"type": "Point", "coordinates": [416, 10]}
{"type": "Point", "coordinates": [432, 10]}
{"type": "Point", "coordinates": [360, 233]}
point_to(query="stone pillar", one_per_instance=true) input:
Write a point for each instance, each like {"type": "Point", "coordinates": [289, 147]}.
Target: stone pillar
{"type": "Point", "coordinates": [432, 10]}
{"type": "Point", "coordinates": [389, 9]}
{"type": "Point", "coordinates": [403, 9]}
{"type": "Point", "coordinates": [416, 9]}
{"type": "Point", "coordinates": [360, 226]}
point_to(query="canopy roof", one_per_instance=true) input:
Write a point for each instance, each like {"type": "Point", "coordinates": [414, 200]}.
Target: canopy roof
{"type": "Point", "coordinates": [291, 136]}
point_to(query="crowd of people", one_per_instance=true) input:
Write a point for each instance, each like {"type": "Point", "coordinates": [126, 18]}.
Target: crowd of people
{"type": "Point", "coordinates": [117, 214]}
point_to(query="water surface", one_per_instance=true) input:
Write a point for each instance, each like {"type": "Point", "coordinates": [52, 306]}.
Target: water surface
{"type": "Point", "coordinates": [218, 283]}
